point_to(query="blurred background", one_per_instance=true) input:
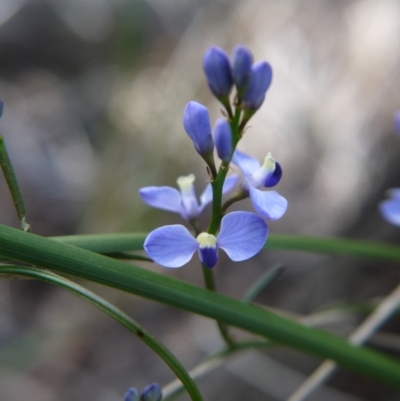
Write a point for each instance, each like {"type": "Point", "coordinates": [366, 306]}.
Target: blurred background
{"type": "Point", "coordinates": [94, 92]}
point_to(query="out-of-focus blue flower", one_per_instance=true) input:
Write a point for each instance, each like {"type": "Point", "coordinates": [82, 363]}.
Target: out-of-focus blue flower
{"type": "Point", "coordinates": [397, 122]}
{"type": "Point", "coordinates": [217, 68]}
{"type": "Point", "coordinates": [152, 392]}
{"type": "Point", "coordinates": [268, 204]}
{"type": "Point", "coordinates": [223, 139]}
{"type": "Point", "coordinates": [196, 122]}
{"type": "Point", "coordinates": [183, 201]}
{"type": "Point", "coordinates": [1, 108]}
{"type": "Point", "coordinates": [132, 395]}
{"type": "Point", "coordinates": [390, 208]}
{"type": "Point", "coordinates": [261, 77]}
{"type": "Point", "coordinates": [242, 60]}
{"type": "Point", "coordinates": [242, 235]}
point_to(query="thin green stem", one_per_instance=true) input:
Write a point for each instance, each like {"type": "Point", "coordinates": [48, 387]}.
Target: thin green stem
{"type": "Point", "coordinates": [211, 286]}
{"type": "Point", "coordinates": [134, 327]}
{"type": "Point", "coordinates": [218, 183]}
{"type": "Point", "coordinates": [235, 198]}
{"type": "Point", "coordinates": [13, 186]}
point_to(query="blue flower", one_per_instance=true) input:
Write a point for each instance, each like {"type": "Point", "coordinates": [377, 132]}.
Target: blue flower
{"type": "Point", "coordinates": [268, 204]}
{"type": "Point", "coordinates": [183, 201]}
{"type": "Point", "coordinates": [242, 235]}
{"type": "Point", "coordinates": [152, 392]}
{"type": "Point", "coordinates": [223, 139]}
{"type": "Point", "coordinates": [390, 208]}
{"type": "Point", "coordinates": [132, 395]}
{"type": "Point", "coordinates": [397, 122]}
{"type": "Point", "coordinates": [196, 122]}
{"type": "Point", "coordinates": [242, 60]}
{"type": "Point", "coordinates": [217, 68]}
{"type": "Point", "coordinates": [261, 77]}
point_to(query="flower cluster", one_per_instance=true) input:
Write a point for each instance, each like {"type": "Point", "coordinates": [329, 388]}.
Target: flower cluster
{"type": "Point", "coordinates": [152, 392]}
{"type": "Point", "coordinates": [240, 234]}
{"type": "Point", "coordinates": [390, 208]}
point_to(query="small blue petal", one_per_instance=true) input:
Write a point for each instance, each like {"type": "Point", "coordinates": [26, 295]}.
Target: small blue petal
{"type": "Point", "coordinates": [242, 235]}
{"type": "Point", "coordinates": [152, 392]}
{"type": "Point", "coordinates": [242, 59]}
{"type": "Point", "coordinates": [165, 198]}
{"type": "Point", "coordinates": [260, 81]}
{"type": "Point", "coordinates": [208, 255]}
{"type": "Point", "coordinates": [217, 68]}
{"type": "Point", "coordinates": [390, 209]}
{"type": "Point", "coordinates": [206, 196]}
{"type": "Point", "coordinates": [223, 139]}
{"type": "Point", "coordinates": [248, 164]}
{"type": "Point", "coordinates": [132, 395]}
{"type": "Point", "coordinates": [268, 204]}
{"type": "Point", "coordinates": [275, 177]}
{"type": "Point", "coordinates": [196, 122]}
{"type": "Point", "coordinates": [171, 246]}
{"type": "Point", "coordinates": [1, 108]}
{"type": "Point", "coordinates": [397, 122]}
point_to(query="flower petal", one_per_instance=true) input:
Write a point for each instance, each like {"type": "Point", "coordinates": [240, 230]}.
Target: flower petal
{"type": "Point", "coordinates": [397, 122]}
{"type": "Point", "coordinates": [242, 235]}
{"type": "Point", "coordinates": [261, 77]}
{"type": "Point", "coordinates": [248, 164]}
{"type": "Point", "coordinates": [171, 246]}
{"type": "Point", "coordinates": [196, 122]}
{"type": "Point", "coordinates": [242, 59]}
{"type": "Point", "coordinates": [206, 196]}
{"type": "Point", "coordinates": [217, 68]}
{"type": "Point", "coordinates": [223, 139]}
{"type": "Point", "coordinates": [166, 198]}
{"type": "Point", "coordinates": [390, 210]}
{"type": "Point", "coordinates": [268, 204]}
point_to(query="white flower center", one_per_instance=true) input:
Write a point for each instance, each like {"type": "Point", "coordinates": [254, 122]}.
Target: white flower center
{"type": "Point", "coordinates": [206, 240]}
{"type": "Point", "coordinates": [269, 163]}
{"type": "Point", "coordinates": [185, 182]}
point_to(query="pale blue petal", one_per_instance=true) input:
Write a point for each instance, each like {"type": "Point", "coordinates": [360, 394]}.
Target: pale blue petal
{"type": "Point", "coordinates": [248, 164]}
{"type": "Point", "coordinates": [268, 204]}
{"type": "Point", "coordinates": [390, 210]}
{"type": "Point", "coordinates": [206, 196]}
{"type": "Point", "coordinates": [230, 183]}
{"type": "Point", "coordinates": [171, 246]}
{"type": "Point", "coordinates": [394, 192]}
{"type": "Point", "coordinates": [397, 122]}
{"type": "Point", "coordinates": [166, 198]}
{"type": "Point", "coordinates": [242, 235]}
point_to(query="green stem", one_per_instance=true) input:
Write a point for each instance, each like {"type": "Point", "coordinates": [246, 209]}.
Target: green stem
{"type": "Point", "coordinates": [162, 351]}
{"type": "Point", "coordinates": [218, 183]}
{"type": "Point", "coordinates": [235, 198]}
{"type": "Point", "coordinates": [13, 186]}
{"type": "Point", "coordinates": [211, 286]}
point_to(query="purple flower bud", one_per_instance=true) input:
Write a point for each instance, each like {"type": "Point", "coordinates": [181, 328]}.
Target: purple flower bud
{"type": "Point", "coordinates": [132, 395]}
{"type": "Point", "coordinates": [196, 122]}
{"type": "Point", "coordinates": [217, 68]}
{"type": "Point", "coordinates": [151, 393]}
{"type": "Point", "coordinates": [242, 60]}
{"type": "Point", "coordinates": [223, 139]}
{"type": "Point", "coordinates": [397, 122]}
{"type": "Point", "coordinates": [275, 177]}
{"type": "Point", "coordinates": [260, 81]}
{"type": "Point", "coordinates": [1, 108]}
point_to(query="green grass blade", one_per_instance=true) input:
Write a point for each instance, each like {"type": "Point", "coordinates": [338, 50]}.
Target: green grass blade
{"type": "Point", "coordinates": [81, 263]}
{"type": "Point", "coordinates": [134, 327]}
{"type": "Point", "coordinates": [109, 243]}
